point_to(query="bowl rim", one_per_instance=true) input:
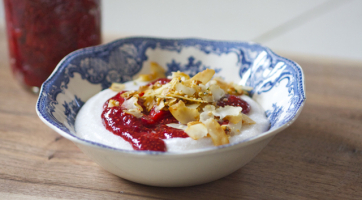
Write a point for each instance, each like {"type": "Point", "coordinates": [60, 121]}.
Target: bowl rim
{"type": "Point", "coordinates": [208, 150]}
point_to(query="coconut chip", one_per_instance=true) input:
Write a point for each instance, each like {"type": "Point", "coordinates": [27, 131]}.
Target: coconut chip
{"type": "Point", "coordinates": [234, 119]}
{"type": "Point", "coordinates": [217, 134]}
{"type": "Point", "coordinates": [160, 106]}
{"type": "Point", "coordinates": [156, 72]}
{"type": "Point", "coordinates": [184, 89]}
{"type": "Point", "coordinates": [196, 130]}
{"type": "Point", "coordinates": [222, 112]}
{"type": "Point", "coordinates": [186, 98]}
{"type": "Point", "coordinates": [132, 107]}
{"type": "Point", "coordinates": [184, 114]}
{"type": "Point", "coordinates": [207, 114]}
{"type": "Point", "coordinates": [182, 75]}
{"type": "Point", "coordinates": [247, 120]}
{"type": "Point", "coordinates": [113, 103]}
{"type": "Point", "coordinates": [204, 76]}
{"type": "Point", "coordinates": [217, 92]}
{"type": "Point", "coordinates": [117, 87]}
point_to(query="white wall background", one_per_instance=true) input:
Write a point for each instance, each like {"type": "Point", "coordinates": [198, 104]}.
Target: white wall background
{"type": "Point", "coordinates": [327, 28]}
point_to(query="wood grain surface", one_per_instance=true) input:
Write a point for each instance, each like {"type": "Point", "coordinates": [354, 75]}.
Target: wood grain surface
{"type": "Point", "coordinates": [318, 157]}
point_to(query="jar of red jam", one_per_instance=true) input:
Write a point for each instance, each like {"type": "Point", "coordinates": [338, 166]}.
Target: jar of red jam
{"type": "Point", "coordinates": [41, 33]}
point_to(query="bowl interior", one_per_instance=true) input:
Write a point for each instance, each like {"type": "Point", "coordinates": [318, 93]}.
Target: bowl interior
{"type": "Point", "coordinates": [278, 84]}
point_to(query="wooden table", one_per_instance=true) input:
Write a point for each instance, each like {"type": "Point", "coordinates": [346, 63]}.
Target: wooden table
{"type": "Point", "coordinates": [318, 157]}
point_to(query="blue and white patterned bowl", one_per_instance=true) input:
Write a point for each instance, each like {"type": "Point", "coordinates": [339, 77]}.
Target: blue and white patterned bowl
{"type": "Point", "coordinates": [278, 87]}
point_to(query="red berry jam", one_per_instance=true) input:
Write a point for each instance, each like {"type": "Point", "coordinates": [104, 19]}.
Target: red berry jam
{"type": "Point", "coordinates": [232, 100]}
{"type": "Point", "coordinates": [41, 33]}
{"type": "Point", "coordinates": [145, 133]}
{"type": "Point", "coordinates": [148, 132]}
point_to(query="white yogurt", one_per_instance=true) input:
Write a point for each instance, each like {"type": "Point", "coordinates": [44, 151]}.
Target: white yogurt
{"type": "Point", "coordinates": [89, 125]}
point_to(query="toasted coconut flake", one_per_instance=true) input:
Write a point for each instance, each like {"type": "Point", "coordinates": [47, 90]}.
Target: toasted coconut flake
{"type": "Point", "coordinates": [113, 103]}
{"type": "Point", "coordinates": [132, 107]}
{"type": "Point", "coordinates": [217, 92]}
{"type": "Point", "coordinates": [149, 102]}
{"type": "Point", "coordinates": [209, 108]}
{"type": "Point", "coordinates": [196, 130]}
{"type": "Point", "coordinates": [186, 98]}
{"type": "Point", "coordinates": [184, 89]}
{"type": "Point", "coordinates": [182, 75]}
{"type": "Point", "coordinates": [208, 98]}
{"type": "Point", "coordinates": [204, 76]}
{"type": "Point", "coordinates": [156, 68]}
{"type": "Point", "coordinates": [146, 77]}
{"type": "Point", "coordinates": [238, 89]}
{"type": "Point", "coordinates": [234, 119]}
{"type": "Point", "coordinates": [223, 85]}
{"type": "Point", "coordinates": [213, 90]}
{"type": "Point", "coordinates": [222, 112]}
{"type": "Point", "coordinates": [202, 87]}
{"type": "Point", "coordinates": [161, 89]}
{"type": "Point", "coordinates": [164, 97]}
{"type": "Point", "coordinates": [131, 104]}
{"type": "Point", "coordinates": [160, 106]}
{"type": "Point", "coordinates": [195, 83]}
{"type": "Point", "coordinates": [156, 92]}
{"type": "Point", "coordinates": [184, 114]}
{"type": "Point", "coordinates": [217, 134]}
{"type": "Point", "coordinates": [171, 101]}
{"type": "Point", "coordinates": [232, 88]}
{"type": "Point", "coordinates": [207, 114]}
{"type": "Point", "coordinates": [134, 112]}
{"type": "Point", "coordinates": [143, 88]}
{"type": "Point", "coordinates": [211, 82]}
{"type": "Point", "coordinates": [129, 94]}
{"type": "Point", "coordinates": [117, 87]}
{"type": "Point", "coordinates": [156, 72]}
{"type": "Point", "coordinates": [247, 88]}
{"type": "Point", "coordinates": [247, 120]}
{"type": "Point", "coordinates": [177, 126]}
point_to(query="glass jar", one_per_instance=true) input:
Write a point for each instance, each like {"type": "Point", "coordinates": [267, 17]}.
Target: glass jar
{"type": "Point", "coordinates": [41, 32]}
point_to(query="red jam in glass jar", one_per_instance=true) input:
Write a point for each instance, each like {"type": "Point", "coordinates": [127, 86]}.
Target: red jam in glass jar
{"type": "Point", "coordinates": [41, 33]}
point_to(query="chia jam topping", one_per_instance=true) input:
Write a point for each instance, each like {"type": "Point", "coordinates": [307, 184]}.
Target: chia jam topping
{"type": "Point", "coordinates": [148, 131]}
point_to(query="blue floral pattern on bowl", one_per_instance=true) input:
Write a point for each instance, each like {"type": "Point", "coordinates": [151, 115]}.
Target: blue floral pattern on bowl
{"type": "Point", "coordinates": [278, 82]}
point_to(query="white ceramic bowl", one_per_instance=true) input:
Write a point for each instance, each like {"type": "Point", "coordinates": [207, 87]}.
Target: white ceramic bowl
{"type": "Point", "coordinates": [278, 87]}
